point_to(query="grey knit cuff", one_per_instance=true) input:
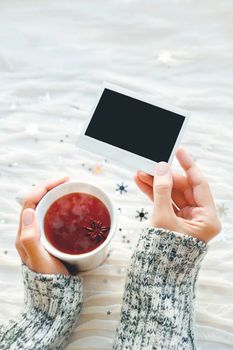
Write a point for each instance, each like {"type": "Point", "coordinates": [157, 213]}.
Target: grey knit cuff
{"type": "Point", "coordinates": [51, 293]}
{"type": "Point", "coordinates": [172, 255]}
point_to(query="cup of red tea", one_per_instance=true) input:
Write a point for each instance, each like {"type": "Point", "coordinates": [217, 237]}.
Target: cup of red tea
{"type": "Point", "coordinates": [78, 222]}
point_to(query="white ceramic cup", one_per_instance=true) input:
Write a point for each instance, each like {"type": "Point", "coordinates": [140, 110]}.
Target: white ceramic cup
{"type": "Point", "coordinates": [92, 259]}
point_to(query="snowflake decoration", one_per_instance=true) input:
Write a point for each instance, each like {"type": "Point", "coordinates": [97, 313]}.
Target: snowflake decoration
{"type": "Point", "coordinates": [96, 231]}
{"type": "Point", "coordinates": [32, 129]}
{"type": "Point", "coordinates": [142, 214]}
{"type": "Point", "coordinates": [44, 98]}
{"type": "Point", "coordinates": [12, 107]}
{"type": "Point", "coordinates": [222, 209]}
{"type": "Point", "coordinates": [164, 56]}
{"type": "Point", "coordinates": [121, 188]}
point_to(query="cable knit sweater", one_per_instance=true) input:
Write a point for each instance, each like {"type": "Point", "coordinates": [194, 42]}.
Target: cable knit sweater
{"type": "Point", "coordinates": [157, 308]}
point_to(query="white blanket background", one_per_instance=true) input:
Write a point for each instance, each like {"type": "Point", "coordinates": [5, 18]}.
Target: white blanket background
{"type": "Point", "coordinates": [53, 57]}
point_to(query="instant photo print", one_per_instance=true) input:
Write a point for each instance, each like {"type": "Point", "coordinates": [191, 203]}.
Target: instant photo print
{"type": "Point", "coordinates": [133, 131]}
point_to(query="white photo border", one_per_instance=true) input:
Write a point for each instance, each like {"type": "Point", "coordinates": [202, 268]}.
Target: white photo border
{"type": "Point", "coordinates": [121, 155]}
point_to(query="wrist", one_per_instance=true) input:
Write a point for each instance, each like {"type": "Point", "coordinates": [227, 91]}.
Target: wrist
{"type": "Point", "coordinates": [50, 293]}
{"type": "Point", "coordinates": [165, 222]}
{"type": "Point", "coordinates": [173, 256]}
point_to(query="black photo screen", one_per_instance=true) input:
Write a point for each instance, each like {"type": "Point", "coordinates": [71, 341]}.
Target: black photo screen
{"type": "Point", "coordinates": [135, 126]}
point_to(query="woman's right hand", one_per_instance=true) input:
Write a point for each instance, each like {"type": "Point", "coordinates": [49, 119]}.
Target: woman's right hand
{"type": "Point", "coordinates": [28, 242]}
{"type": "Point", "coordinates": [197, 215]}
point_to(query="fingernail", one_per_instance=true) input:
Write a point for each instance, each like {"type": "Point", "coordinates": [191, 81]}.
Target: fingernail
{"type": "Point", "coordinates": [28, 217]}
{"type": "Point", "coordinates": [162, 169]}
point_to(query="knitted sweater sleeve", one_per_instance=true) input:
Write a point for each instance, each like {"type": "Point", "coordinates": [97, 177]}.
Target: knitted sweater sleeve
{"type": "Point", "coordinates": [52, 304]}
{"type": "Point", "coordinates": [158, 302]}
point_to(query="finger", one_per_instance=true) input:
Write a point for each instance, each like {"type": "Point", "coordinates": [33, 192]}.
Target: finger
{"type": "Point", "coordinates": [30, 236]}
{"type": "Point", "coordinates": [180, 181]}
{"type": "Point", "coordinates": [37, 194]}
{"type": "Point", "coordinates": [162, 189]}
{"type": "Point", "coordinates": [37, 258]}
{"type": "Point", "coordinates": [146, 178]}
{"type": "Point", "coordinates": [179, 199]}
{"type": "Point", "coordinates": [189, 213]}
{"type": "Point", "coordinates": [201, 191]}
{"type": "Point", "coordinates": [148, 190]}
{"type": "Point", "coordinates": [30, 229]}
{"type": "Point", "coordinates": [146, 185]}
{"type": "Point", "coordinates": [20, 250]}
{"type": "Point", "coordinates": [190, 197]}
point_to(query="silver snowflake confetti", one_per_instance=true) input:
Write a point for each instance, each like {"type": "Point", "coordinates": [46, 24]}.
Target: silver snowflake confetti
{"type": "Point", "coordinates": [222, 209]}
{"type": "Point", "coordinates": [45, 98]}
{"type": "Point", "coordinates": [122, 270]}
{"type": "Point", "coordinates": [164, 56]}
{"type": "Point", "coordinates": [121, 188]}
{"type": "Point", "coordinates": [32, 129]}
{"type": "Point", "coordinates": [142, 215]}
{"type": "Point", "coordinates": [12, 106]}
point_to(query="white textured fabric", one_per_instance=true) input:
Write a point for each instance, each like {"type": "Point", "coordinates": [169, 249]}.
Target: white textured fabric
{"type": "Point", "coordinates": [53, 57]}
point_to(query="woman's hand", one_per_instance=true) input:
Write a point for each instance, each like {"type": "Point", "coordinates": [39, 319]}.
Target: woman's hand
{"type": "Point", "coordinates": [197, 215]}
{"type": "Point", "coordinates": [28, 242]}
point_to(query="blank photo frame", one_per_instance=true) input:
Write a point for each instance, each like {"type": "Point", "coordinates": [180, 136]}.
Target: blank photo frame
{"type": "Point", "coordinates": [131, 130]}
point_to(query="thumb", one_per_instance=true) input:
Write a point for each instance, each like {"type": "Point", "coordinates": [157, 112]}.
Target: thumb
{"type": "Point", "coordinates": [162, 189]}
{"type": "Point", "coordinates": [30, 233]}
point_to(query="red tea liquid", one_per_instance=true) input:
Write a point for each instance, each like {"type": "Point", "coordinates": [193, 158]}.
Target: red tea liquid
{"type": "Point", "coordinates": [77, 223]}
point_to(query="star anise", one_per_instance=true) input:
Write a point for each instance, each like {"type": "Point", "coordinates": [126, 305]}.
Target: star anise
{"type": "Point", "coordinates": [96, 231]}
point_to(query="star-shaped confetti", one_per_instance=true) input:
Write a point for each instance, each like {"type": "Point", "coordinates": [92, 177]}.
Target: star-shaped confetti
{"type": "Point", "coordinates": [97, 169]}
{"type": "Point", "coordinates": [121, 270]}
{"type": "Point", "coordinates": [45, 98]}
{"type": "Point", "coordinates": [142, 215]}
{"type": "Point", "coordinates": [164, 56]}
{"type": "Point", "coordinates": [222, 209]}
{"type": "Point", "coordinates": [32, 129]}
{"type": "Point", "coordinates": [121, 188]}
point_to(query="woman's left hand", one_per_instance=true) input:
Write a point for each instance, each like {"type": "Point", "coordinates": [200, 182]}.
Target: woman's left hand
{"type": "Point", "coordinates": [195, 213]}
{"type": "Point", "coordinates": [28, 242]}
